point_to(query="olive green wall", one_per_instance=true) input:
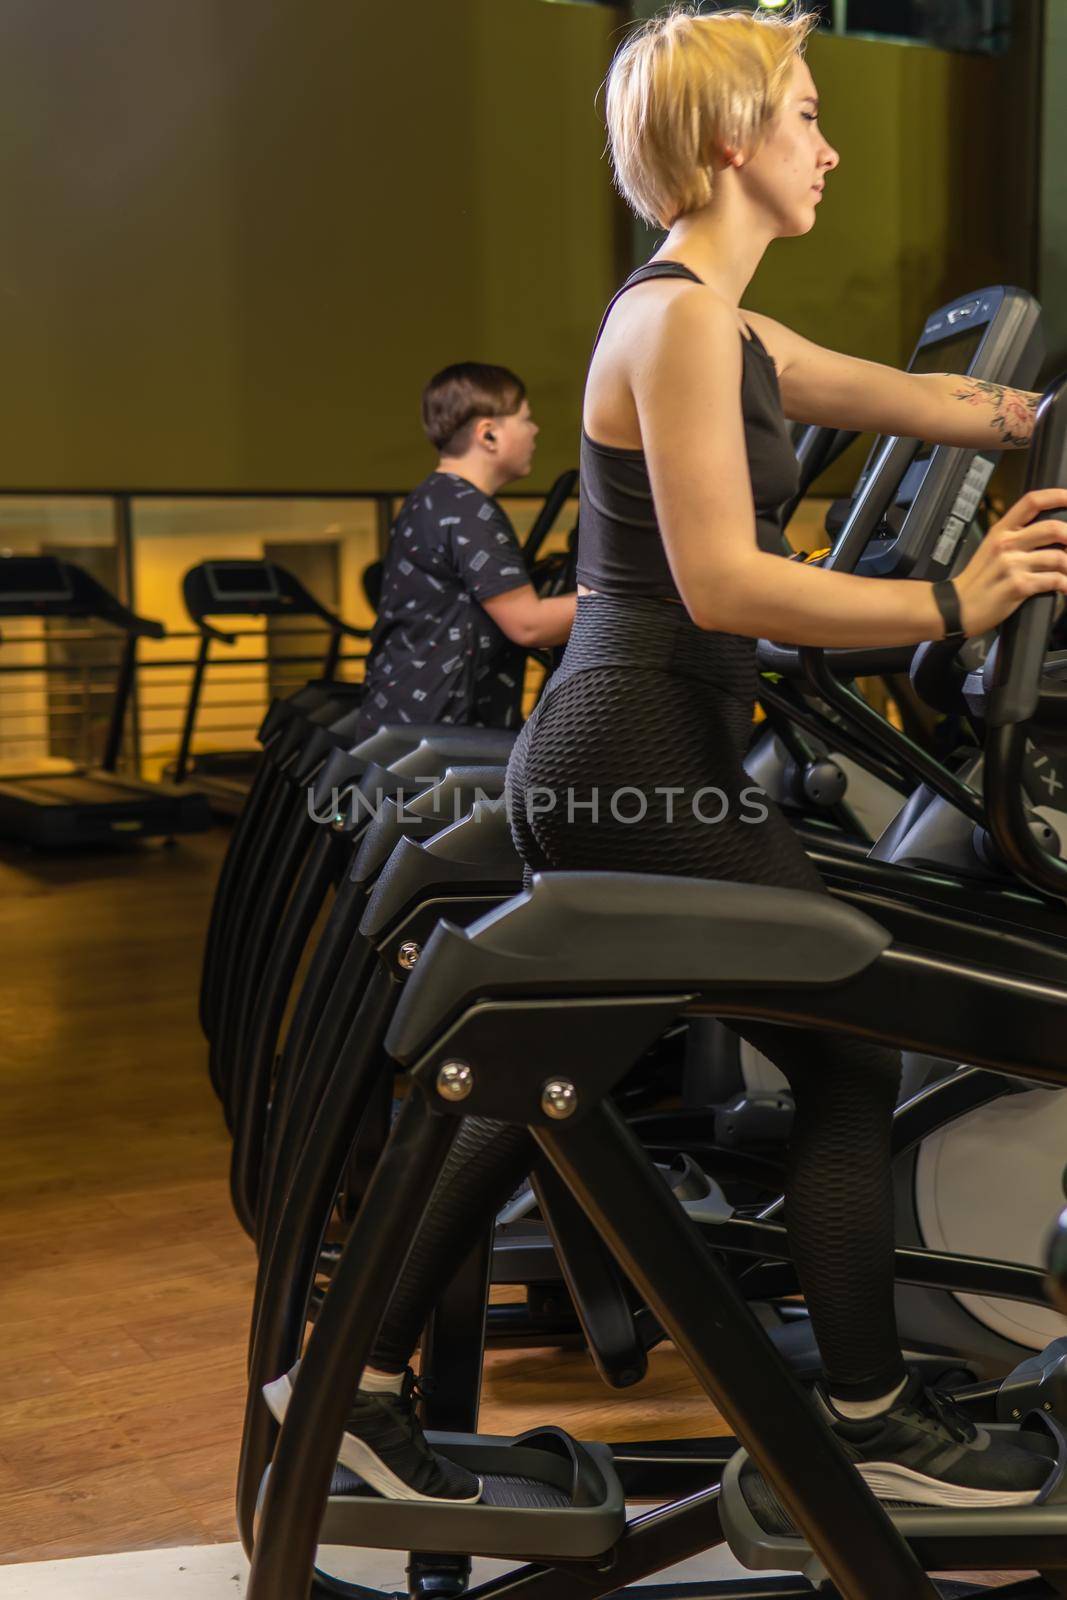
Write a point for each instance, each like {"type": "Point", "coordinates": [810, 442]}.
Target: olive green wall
{"type": "Point", "coordinates": [931, 199]}
{"type": "Point", "coordinates": [240, 234]}
{"type": "Point", "coordinates": [923, 206]}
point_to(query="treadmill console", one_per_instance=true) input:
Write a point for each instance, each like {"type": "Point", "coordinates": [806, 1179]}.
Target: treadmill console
{"type": "Point", "coordinates": [26, 581]}
{"type": "Point", "coordinates": [240, 581]}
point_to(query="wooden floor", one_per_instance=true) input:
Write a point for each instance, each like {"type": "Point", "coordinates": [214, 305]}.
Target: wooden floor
{"type": "Point", "coordinates": [125, 1282]}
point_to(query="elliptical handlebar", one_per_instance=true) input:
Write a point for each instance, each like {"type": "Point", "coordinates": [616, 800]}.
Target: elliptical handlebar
{"type": "Point", "coordinates": [938, 675]}
{"type": "Point", "coordinates": [817, 448]}
{"type": "Point", "coordinates": [885, 478]}
{"type": "Point", "coordinates": [1016, 668]}
{"type": "Point", "coordinates": [875, 662]}
{"type": "Point", "coordinates": [1057, 1263]}
{"type": "Point", "coordinates": [553, 503]}
{"type": "Point", "coordinates": [887, 473]}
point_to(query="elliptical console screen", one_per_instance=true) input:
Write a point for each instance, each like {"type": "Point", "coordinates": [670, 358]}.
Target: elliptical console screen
{"type": "Point", "coordinates": [33, 578]}
{"type": "Point", "coordinates": [238, 581]}
{"type": "Point", "coordinates": [954, 354]}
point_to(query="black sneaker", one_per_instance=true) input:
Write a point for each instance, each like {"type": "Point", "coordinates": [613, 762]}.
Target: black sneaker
{"type": "Point", "coordinates": [384, 1443]}
{"type": "Point", "coordinates": [926, 1451]}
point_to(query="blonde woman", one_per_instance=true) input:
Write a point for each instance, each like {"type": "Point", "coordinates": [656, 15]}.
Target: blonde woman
{"type": "Point", "coordinates": [686, 462]}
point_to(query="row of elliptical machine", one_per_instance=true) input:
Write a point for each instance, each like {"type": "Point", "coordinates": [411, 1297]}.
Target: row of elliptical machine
{"type": "Point", "coordinates": [335, 1037]}
{"type": "Point", "coordinates": [362, 811]}
{"type": "Point", "coordinates": [622, 958]}
{"type": "Point", "coordinates": [307, 741]}
{"type": "Point", "coordinates": [402, 954]}
{"type": "Point", "coordinates": [998, 343]}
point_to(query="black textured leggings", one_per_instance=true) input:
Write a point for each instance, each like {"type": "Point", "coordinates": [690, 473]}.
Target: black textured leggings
{"type": "Point", "coordinates": [666, 746]}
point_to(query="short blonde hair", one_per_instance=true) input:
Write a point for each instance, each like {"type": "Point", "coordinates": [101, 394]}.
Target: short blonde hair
{"type": "Point", "coordinates": [683, 88]}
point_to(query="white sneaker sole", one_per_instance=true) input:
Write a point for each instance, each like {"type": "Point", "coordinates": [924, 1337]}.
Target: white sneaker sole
{"type": "Point", "coordinates": [359, 1458]}
{"type": "Point", "coordinates": [888, 1481]}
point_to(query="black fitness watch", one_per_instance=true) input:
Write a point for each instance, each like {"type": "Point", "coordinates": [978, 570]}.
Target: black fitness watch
{"type": "Point", "coordinates": [948, 603]}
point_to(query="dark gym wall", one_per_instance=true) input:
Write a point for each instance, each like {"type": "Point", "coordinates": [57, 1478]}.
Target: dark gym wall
{"type": "Point", "coordinates": [1053, 215]}
{"type": "Point", "coordinates": [240, 234]}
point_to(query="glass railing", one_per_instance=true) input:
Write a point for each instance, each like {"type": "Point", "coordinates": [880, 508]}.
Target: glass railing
{"type": "Point", "coordinates": [57, 674]}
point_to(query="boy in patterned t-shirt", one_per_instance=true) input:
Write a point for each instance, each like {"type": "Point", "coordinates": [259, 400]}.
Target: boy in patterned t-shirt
{"type": "Point", "coordinates": [457, 610]}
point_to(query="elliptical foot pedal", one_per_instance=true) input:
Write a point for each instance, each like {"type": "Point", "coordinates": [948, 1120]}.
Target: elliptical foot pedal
{"type": "Point", "coordinates": [762, 1536]}
{"type": "Point", "coordinates": [545, 1496]}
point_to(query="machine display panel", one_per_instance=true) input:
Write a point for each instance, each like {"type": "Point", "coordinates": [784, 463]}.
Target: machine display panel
{"type": "Point", "coordinates": [239, 582]}
{"type": "Point", "coordinates": [33, 578]}
{"type": "Point", "coordinates": [953, 354]}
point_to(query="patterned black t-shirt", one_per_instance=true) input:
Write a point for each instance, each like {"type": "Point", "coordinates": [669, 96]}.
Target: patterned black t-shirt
{"type": "Point", "coordinates": [436, 654]}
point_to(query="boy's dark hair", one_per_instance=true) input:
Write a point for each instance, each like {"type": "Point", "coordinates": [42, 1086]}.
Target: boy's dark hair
{"type": "Point", "coordinates": [457, 396]}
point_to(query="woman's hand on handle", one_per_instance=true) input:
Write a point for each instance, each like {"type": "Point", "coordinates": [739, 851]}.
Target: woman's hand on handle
{"type": "Point", "coordinates": [1023, 554]}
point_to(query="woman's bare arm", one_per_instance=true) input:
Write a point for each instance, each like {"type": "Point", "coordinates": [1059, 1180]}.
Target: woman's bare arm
{"type": "Point", "coordinates": [839, 391]}
{"type": "Point", "coordinates": [687, 390]}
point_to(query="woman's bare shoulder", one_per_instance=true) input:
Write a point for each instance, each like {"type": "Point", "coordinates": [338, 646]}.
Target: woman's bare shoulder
{"type": "Point", "coordinates": [700, 326]}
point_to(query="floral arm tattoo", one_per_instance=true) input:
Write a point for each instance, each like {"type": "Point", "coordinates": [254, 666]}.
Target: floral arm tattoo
{"type": "Point", "coordinates": [1013, 409]}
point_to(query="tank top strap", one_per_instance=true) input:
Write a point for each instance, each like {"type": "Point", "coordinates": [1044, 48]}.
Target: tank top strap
{"type": "Point", "coordinates": [651, 269]}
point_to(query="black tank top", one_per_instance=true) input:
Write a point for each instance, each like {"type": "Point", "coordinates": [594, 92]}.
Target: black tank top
{"type": "Point", "coordinates": [620, 550]}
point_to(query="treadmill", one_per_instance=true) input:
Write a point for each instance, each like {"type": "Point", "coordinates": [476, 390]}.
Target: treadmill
{"type": "Point", "coordinates": [241, 588]}
{"type": "Point", "coordinates": [57, 805]}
